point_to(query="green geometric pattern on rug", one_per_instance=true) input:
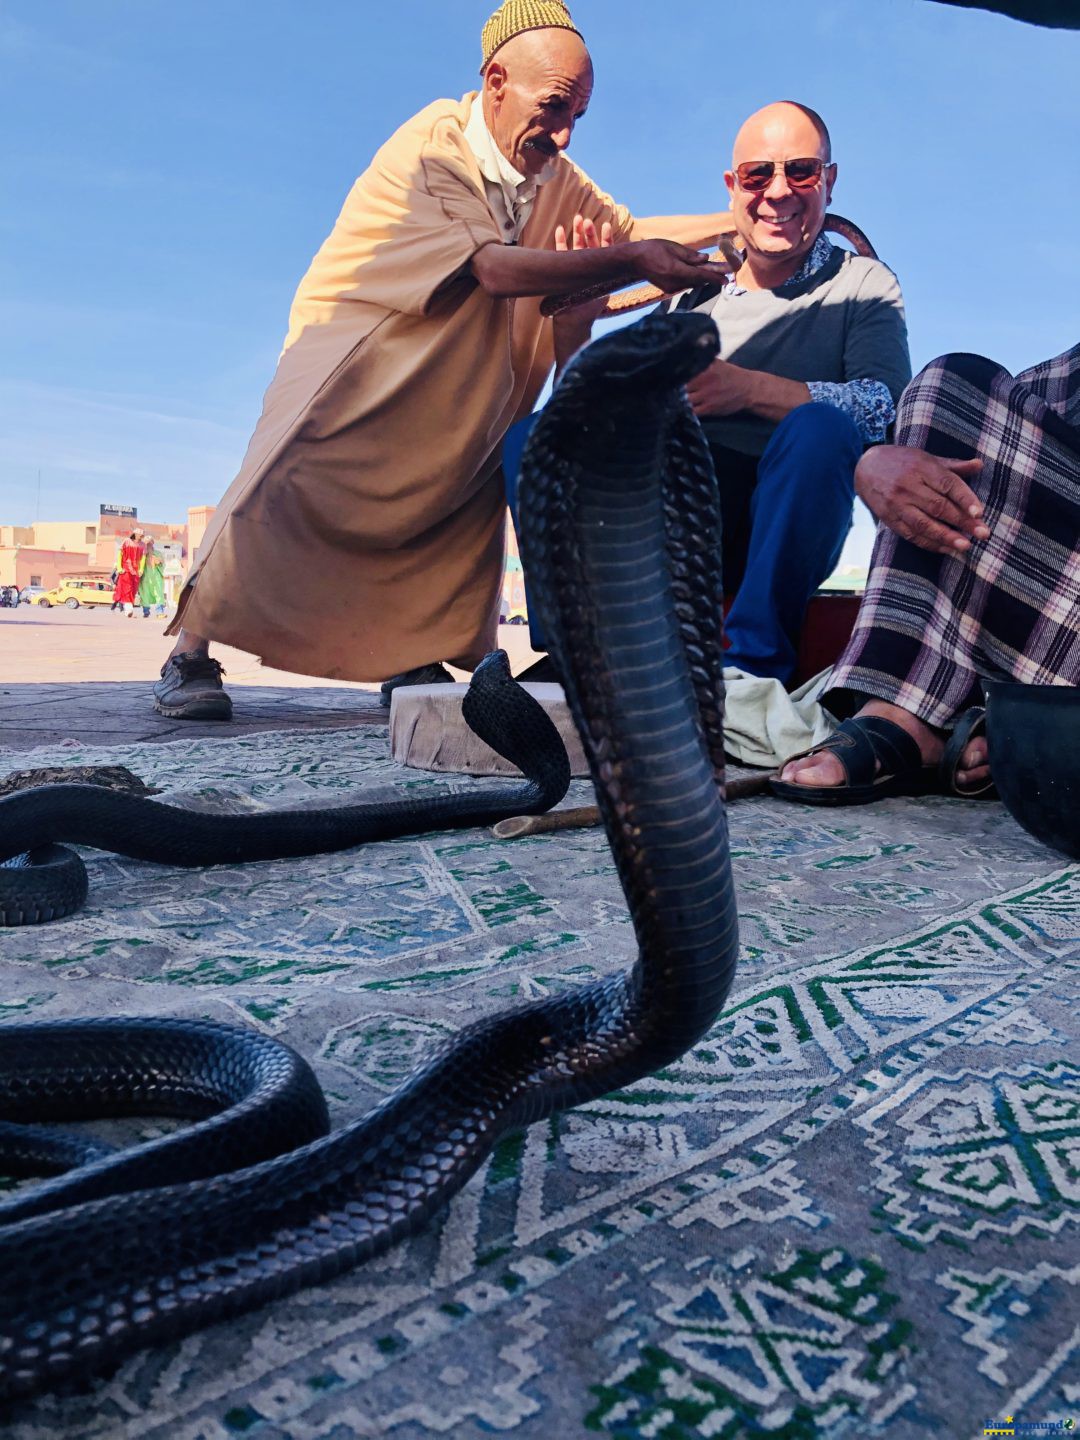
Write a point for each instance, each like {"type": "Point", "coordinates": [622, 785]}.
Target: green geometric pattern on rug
{"type": "Point", "coordinates": [785, 1355]}
{"type": "Point", "coordinates": [850, 1210]}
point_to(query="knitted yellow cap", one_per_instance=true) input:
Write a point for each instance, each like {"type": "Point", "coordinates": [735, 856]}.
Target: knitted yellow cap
{"type": "Point", "coordinates": [515, 16]}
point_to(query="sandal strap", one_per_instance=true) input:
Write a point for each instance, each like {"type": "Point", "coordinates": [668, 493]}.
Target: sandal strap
{"type": "Point", "coordinates": [968, 727]}
{"type": "Point", "coordinates": [865, 740]}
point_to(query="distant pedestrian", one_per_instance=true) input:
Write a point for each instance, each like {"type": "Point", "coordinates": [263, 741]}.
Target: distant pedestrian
{"type": "Point", "coordinates": [128, 568]}
{"type": "Point", "coordinates": [113, 578]}
{"type": "Point", "coordinates": [152, 581]}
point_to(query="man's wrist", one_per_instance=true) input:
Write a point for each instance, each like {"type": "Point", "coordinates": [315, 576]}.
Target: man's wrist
{"type": "Point", "coordinates": [570, 330]}
{"type": "Point", "coordinates": [772, 396]}
{"type": "Point", "coordinates": [637, 255]}
{"type": "Point", "coordinates": [753, 390]}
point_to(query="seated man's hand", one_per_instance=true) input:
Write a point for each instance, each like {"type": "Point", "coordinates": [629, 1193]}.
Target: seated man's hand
{"type": "Point", "coordinates": [922, 498]}
{"type": "Point", "coordinates": [573, 328]}
{"type": "Point", "coordinates": [584, 236]}
{"type": "Point", "coordinates": [722, 389]}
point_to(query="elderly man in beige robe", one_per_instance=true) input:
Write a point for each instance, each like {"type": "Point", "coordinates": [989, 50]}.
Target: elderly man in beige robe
{"type": "Point", "coordinates": [364, 534]}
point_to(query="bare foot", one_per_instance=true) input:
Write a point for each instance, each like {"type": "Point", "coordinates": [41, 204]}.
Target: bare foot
{"type": "Point", "coordinates": [974, 769]}
{"type": "Point", "coordinates": [824, 769]}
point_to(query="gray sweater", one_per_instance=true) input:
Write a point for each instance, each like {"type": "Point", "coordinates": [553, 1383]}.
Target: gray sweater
{"type": "Point", "coordinates": [844, 322]}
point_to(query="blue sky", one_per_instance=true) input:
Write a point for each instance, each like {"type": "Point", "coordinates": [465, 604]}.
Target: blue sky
{"type": "Point", "coordinates": [168, 170]}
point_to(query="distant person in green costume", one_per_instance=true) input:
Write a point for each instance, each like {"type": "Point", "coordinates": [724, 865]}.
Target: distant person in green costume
{"type": "Point", "coordinates": [152, 580]}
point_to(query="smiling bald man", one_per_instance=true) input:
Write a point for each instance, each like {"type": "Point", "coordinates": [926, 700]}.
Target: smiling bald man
{"type": "Point", "coordinates": [813, 358]}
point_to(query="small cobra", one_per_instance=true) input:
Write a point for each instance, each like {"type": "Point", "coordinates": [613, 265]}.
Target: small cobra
{"type": "Point", "coordinates": [41, 880]}
{"type": "Point", "coordinates": [621, 524]}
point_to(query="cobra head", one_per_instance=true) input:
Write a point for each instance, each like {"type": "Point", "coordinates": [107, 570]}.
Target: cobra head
{"type": "Point", "coordinates": [659, 351]}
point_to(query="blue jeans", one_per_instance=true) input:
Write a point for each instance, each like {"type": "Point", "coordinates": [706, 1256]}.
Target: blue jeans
{"type": "Point", "coordinates": [794, 519]}
{"type": "Point", "coordinates": [785, 519]}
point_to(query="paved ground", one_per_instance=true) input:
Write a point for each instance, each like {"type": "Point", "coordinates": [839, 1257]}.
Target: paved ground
{"type": "Point", "coordinates": [86, 675]}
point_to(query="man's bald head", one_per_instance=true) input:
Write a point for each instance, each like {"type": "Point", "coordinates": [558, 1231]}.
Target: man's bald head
{"type": "Point", "coordinates": [536, 51]}
{"type": "Point", "coordinates": [536, 88]}
{"type": "Point", "coordinates": [779, 223]}
{"type": "Point", "coordinates": [787, 122]}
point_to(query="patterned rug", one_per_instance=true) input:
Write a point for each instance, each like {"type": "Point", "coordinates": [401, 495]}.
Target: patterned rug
{"type": "Point", "coordinates": [850, 1211]}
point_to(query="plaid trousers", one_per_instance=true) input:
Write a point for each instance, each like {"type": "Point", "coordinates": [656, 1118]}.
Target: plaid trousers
{"type": "Point", "coordinates": [931, 626]}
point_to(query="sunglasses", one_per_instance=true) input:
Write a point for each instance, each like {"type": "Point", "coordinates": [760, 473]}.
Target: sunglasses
{"type": "Point", "coordinates": [756, 175]}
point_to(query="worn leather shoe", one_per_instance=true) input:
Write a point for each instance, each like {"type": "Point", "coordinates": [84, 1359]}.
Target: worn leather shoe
{"type": "Point", "coordinates": [190, 689]}
{"type": "Point", "coordinates": [433, 674]}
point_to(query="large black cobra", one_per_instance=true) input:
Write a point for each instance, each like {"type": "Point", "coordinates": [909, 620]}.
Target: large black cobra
{"type": "Point", "coordinates": [621, 528]}
{"type": "Point", "coordinates": [42, 880]}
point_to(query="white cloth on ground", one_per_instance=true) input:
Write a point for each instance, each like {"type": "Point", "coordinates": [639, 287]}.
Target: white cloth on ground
{"type": "Point", "coordinates": [765, 725]}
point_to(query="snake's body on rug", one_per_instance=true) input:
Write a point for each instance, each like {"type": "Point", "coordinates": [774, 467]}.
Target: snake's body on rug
{"type": "Point", "coordinates": [42, 880]}
{"type": "Point", "coordinates": [621, 525]}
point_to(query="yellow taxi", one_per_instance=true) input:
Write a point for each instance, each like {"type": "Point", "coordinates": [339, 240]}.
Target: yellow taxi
{"type": "Point", "coordinates": [76, 590]}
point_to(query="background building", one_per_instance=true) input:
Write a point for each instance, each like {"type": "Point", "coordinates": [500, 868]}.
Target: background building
{"type": "Point", "coordinates": [47, 551]}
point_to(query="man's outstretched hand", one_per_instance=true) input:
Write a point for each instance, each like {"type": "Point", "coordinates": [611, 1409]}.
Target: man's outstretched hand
{"type": "Point", "coordinates": [670, 266]}
{"type": "Point", "coordinates": [922, 498]}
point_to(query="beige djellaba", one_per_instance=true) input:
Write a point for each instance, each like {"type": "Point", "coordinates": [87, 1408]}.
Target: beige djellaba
{"type": "Point", "coordinates": [364, 533]}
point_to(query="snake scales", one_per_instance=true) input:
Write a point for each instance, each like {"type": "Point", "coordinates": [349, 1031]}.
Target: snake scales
{"type": "Point", "coordinates": [621, 524]}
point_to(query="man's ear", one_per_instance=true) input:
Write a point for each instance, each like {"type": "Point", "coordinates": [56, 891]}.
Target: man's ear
{"type": "Point", "coordinates": [830, 181]}
{"type": "Point", "coordinates": [729, 181]}
{"type": "Point", "coordinates": [495, 80]}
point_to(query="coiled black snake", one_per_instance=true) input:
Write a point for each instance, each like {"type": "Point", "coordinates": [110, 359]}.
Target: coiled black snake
{"type": "Point", "coordinates": [621, 525]}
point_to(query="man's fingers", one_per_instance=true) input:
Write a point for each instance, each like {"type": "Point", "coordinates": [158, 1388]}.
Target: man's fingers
{"type": "Point", "coordinates": [929, 534]}
{"type": "Point", "coordinates": [606, 234]}
{"type": "Point", "coordinates": [962, 498]}
{"type": "Point", "coordinates": [679, 277]}
{"type": "Point", "coordinates": [584, 234]}
{"type": "Point", "coordinates": [964, 467]}
{"type": "Point", "coordinates": [686, 254]}
{"type": "Point", "coordinates": [939, 505]}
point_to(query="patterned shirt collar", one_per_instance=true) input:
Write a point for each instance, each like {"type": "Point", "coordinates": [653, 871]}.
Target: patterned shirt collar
{"type": "Point", "coordinates": [817, 257]}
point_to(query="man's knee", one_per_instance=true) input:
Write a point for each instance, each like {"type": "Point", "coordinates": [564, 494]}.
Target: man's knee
{"type": "Point", "coordinates": [959, 365]}
{"type": "Point", "coordinates": [824, 442]}
{"type": "Point", "coordinates": [945, 394]}
{"type": "Point", "coordinates": [975, 371]}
